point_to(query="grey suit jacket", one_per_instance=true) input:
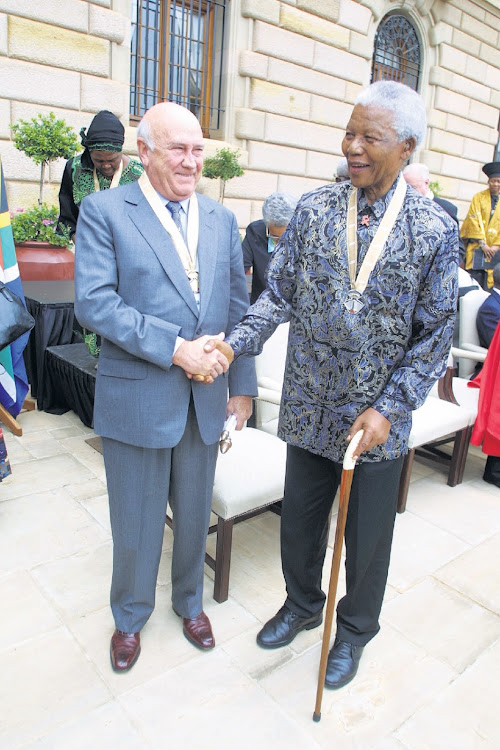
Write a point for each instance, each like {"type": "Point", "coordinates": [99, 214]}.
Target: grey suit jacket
{"type": "Point", "coordinates": [131, 288]}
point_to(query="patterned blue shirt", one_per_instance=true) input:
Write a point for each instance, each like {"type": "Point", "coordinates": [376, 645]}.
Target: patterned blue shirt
{"type": "Point", "coordinates": [386, 356]}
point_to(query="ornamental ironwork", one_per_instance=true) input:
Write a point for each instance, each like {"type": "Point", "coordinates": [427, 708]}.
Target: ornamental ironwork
{"type": "Point", "coordinates": [396, 56]}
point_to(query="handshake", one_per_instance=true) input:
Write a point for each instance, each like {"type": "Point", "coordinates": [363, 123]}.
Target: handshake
{"type": "Point", "coordinates": [205, 358]}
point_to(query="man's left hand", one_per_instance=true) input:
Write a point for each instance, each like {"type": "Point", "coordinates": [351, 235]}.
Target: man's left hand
{"type": "Point", "coordinates": [241, 407]}
{"type": "Point", "coordinates": [375, 430]}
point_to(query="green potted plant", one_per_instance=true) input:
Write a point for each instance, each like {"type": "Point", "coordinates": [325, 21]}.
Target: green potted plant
{"type": "Point", "coordinates": [42, 249]}
{"type": "Point", "coordinates": [223, 165]}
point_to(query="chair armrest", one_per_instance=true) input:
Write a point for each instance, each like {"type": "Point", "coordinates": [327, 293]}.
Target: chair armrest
{"type": "Point", "coordinates": [470, 351]}
{"type": "Point", "coordinates": [268, 395]}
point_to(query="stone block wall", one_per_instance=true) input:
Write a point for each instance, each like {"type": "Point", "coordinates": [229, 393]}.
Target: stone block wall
{"type": "Point", "coordinates": [293, 70]}
{"type": "Point", "coordinates": [70, 57]}
{"type": "Point", "coordinates": [305, 61]}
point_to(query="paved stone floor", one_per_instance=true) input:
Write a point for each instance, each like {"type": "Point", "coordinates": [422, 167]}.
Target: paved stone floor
{"type": "Point", "coordinates": [428, 681]}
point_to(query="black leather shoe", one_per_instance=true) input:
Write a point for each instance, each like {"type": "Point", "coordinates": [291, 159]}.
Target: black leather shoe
{"type": "Point", "coordinates": [343, 662]}
{"type": "Point", "coordinates": [281, 629]}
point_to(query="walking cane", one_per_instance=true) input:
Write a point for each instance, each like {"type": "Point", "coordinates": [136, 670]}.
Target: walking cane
{"type": "Point", "coordinates": [345, 489]}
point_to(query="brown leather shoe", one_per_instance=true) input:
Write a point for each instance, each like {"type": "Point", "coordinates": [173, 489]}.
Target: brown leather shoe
{"type": "Point", "coordinates": [199, 631]}
{"type": "Point", "coordinates": [125, 650]}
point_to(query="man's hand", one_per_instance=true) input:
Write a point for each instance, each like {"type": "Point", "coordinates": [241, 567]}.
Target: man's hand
{"type": "Point", "coordinates": [241, 407]}
{"type": "Point", "coordinates": [488, 251]}
{"type": "Point", "coordinates": [199, 361]}
{"type": "Point", "coordinates": [376, 430]}
{"type": "Point", "coordinates": [215, 344]}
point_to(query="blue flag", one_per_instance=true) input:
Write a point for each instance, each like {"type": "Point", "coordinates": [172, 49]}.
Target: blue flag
{"type": "Point", "coordinates": [13, 380]}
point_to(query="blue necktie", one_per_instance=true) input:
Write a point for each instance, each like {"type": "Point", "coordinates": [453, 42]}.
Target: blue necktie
{"type": "Point", "coordinates": [175, 209]}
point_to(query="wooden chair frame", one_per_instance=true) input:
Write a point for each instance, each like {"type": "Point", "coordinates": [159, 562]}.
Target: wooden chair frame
{"type": "Point", "coordinates": [221, 563]}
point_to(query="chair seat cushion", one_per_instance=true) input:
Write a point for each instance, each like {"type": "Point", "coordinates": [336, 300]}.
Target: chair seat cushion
{"type": "Point", "coordinates": [468, 398]}
{"type": "Point", "coordinates": [435, 419]}
{"type": "Point", "coordinates": [250, 475]}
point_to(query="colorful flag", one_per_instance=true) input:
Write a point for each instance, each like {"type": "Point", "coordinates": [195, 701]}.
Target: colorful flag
{"type": "Point", "coordinates": [13, 380]}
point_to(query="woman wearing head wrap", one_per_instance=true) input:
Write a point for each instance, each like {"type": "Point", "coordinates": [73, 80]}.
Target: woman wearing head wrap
{"type": "Point", "coordinates": [481, 228]}
{"type": "Point", "coordinates": [100, 166]}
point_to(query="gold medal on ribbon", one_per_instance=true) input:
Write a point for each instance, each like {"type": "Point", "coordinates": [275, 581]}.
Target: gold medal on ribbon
{"type": "Point", "coordinates": [354, 298]}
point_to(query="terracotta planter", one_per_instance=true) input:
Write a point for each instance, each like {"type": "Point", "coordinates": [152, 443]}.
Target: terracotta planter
{"type": "Point", "coordinates": [41, 261]}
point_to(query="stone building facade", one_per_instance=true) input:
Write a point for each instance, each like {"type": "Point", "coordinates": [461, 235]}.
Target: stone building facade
{"type": "Point", "coordinates": [291, 71]}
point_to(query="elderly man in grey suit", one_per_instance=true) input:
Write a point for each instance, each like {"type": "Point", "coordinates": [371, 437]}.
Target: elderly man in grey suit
{"type": "Point", "coordinates": [158, 273]}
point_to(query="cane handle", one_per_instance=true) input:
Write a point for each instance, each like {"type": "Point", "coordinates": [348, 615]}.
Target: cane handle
{"type": "Point", "coordinates": [349, 462]}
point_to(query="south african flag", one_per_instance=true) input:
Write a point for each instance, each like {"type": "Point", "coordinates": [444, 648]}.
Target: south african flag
{"type": "Point", "coordinates": [13, 380]}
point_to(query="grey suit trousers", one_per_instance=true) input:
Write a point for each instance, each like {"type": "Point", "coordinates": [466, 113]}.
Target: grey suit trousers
{"type": "Point", "coordinates": [139, 483]}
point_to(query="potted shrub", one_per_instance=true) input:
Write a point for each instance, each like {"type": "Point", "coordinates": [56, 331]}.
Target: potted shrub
{"type": "Point", "coordinates": [42, 252]}
{"type": "Point", "coordinates": [223, 165]}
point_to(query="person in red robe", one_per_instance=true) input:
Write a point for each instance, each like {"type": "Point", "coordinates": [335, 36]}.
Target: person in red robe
{"type": "Point", "coordinates": [486, 431]}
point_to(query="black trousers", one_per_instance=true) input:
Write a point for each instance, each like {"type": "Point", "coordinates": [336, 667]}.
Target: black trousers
{"type": "Point", "coordinates": [310, 486]}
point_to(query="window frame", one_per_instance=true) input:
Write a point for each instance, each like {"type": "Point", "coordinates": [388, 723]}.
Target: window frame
{"type": "Point", "coordinates": [176, 46]}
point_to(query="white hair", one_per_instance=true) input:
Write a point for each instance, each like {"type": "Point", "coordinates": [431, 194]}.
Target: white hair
{"type": "Point", "coordinates": [417, 169]}
{"type": "Point", "coordinates": [278, 209]}
{"type": "Point", "coordinates": [406, 105]}
{"type": "Point", "coordinates": [144, 133]}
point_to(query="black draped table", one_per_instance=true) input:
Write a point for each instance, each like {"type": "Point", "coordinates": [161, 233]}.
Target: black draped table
{"type": "Point", "coordinates": [70, 373]}
{"type": "Point", "coordinates": [51, 303]}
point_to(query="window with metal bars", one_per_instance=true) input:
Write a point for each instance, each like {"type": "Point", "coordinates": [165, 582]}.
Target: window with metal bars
{"type": "Point", "coordinates": [396, 56]}
{"type": "Point", "coordinates": [177, 55]}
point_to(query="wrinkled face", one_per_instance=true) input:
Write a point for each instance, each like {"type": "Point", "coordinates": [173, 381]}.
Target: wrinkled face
{"type": "Point", "coordinates": [106, 162]}
{"type": "Point", "coordinates": [494, 185]}
{"type": "Point", "coordinates": [174, 167]}
{"type": "Point", "coordinates": [373, 152]}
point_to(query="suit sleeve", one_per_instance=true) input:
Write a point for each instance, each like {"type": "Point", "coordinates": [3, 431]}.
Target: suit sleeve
{"type": "Point", "coordinates": [247, 249]}
{"type": "Point", "coordinates": [486, 322]}
{"type": "Point", "coordinates": [99, 307]}
{"type": "Point", "coordinates": [242, 378]}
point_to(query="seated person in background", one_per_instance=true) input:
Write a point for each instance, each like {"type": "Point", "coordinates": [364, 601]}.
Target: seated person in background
{"type": "Point", "coordinates": [488, 314]}
{"type": "Point", "coordinates": [262, 235]}
{"type": "Point", "coordinates": [481, 227]}
{"type": "Point", "coordinates": [417, 175]}
{"type": "Point", "coordinates": [101, 166]}
{"type": "Point", "coordinates": [342, 173]}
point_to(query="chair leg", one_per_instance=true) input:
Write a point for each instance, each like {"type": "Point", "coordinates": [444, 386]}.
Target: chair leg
{"type": "Point", "coordinates": [404, 481]}
{"type": "Point", "coordinates": [459, 456]}
{"type": "Point", "coordinates": [223, 559]}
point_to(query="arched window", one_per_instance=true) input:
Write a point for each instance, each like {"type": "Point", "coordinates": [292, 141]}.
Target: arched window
{"type": "Point", "coordinates": [396, 56]}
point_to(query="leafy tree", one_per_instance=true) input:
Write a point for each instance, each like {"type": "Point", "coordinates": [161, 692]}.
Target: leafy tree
{"type": "Point", "coordinates": [435, 187]}
{"type": "Point", "coordinates": [45, 139]}
{"type": "Point", "coordinates": [224, 165]}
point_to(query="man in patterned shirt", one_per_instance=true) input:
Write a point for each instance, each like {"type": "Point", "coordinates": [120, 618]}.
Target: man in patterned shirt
{"type": "Point", "coordinates": [366, 273]}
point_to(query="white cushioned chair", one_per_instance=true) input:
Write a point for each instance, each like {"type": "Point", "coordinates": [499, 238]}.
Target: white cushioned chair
{"type": "Point", "coordinates": [249, 480]}
{"type": "Point", "coordinates": [468, 338]}
{"type": "Point", "coordinates": [250, 477]}
{"type": "Point", "coordinates": [270, 368]}
{"type": "Point", "coordinates": [447, 415]}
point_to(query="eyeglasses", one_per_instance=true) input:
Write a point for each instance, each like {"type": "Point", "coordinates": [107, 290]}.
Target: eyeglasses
{"type": "Point", "coordinates": [272, 236]}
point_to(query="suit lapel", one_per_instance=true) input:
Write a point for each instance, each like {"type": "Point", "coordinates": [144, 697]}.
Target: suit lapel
{"type": "Point", "coordinates": [145, 221]}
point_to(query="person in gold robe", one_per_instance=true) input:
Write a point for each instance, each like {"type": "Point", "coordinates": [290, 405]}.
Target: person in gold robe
{"type": "Point", "coordinates": [481, 229]}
